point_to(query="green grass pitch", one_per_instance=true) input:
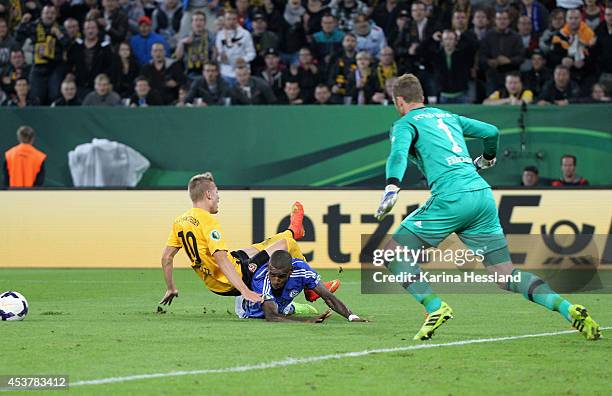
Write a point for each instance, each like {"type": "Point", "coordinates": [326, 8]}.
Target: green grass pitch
{"type": "Point", "coordinates": [96, 324]}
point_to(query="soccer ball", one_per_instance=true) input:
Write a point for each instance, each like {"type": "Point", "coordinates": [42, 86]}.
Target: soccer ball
{"type": "Point", "coordinates": [13, 306]}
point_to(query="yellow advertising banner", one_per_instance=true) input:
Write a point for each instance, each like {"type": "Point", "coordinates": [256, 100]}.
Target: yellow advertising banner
{"type": "Point", "coordinates": [107, 228]}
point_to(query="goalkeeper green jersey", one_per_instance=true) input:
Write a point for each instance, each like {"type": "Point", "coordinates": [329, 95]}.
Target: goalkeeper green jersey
{"type": "Point", "coordinates": [433, 139]}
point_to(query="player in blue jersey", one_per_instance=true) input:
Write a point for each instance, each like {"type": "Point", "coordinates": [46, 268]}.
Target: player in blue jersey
{"type": "Point", "coordinates": [461, 201]}
{"type": "Point", "coordinates": [279, 282]}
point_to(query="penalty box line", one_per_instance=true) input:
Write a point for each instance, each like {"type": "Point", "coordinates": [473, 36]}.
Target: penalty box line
{"type": "Point", "coordinates": [313, 359]}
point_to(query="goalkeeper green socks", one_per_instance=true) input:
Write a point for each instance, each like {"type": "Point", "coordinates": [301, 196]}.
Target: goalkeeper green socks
{"type": "Point", "coordinates": [535, 289]}
{"type": "Point", "coordinates": [419, 289]}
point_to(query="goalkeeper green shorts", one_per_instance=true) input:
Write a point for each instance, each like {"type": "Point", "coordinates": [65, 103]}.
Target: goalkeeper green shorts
{"type": "Point", "coordinates": [472, 215]}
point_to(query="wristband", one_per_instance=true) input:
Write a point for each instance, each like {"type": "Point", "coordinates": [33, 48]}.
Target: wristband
{"type": "Point", "coordinates": [352, 317]}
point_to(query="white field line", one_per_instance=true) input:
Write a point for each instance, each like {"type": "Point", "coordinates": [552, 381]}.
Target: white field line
{"type": "Point", "coordinates": [295, 361]}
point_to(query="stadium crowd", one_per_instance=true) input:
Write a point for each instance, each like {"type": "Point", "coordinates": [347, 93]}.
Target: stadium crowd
{"type": "Point", "coordinates": [210, 52]}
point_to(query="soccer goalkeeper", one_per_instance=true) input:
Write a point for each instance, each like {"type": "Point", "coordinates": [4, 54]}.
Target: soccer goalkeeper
{"type": "Point", "coordinates": [461, 201]}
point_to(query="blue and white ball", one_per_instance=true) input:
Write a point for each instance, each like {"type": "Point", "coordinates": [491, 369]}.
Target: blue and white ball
{"type": "Point", "coordinates": [13, 306]}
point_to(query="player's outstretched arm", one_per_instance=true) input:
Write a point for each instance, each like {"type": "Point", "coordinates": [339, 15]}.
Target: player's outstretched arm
{"type": "Point", "coordinates": [167, 266]}
{"type": "Point", "coordinates": [336, 304]}
{"type": "Point", "coordinates": [235, 279]}
{"type": "Point", "coordinates": [272, 315]}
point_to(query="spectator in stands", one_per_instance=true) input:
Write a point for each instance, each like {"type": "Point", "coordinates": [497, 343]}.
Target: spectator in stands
{"type": "Point", "coordinates": [89, 57]}
{"type": "Point", "coordinates": [530, 177]}
{"type": "Point", "coordinates": [124, 69]}
{"type": "Point", "coordinates": [69, 95]}
{"type": "Point", "coordinates": [328, 40]}
{"type": "Point", "coordinates": [507, 6]}
{"type": "Point", "coordinates": [167, 21]}
{"type": "Point", "coordinates": [274, 15]}
{"type": "Point", "coordinates": [362, 83]}
{"type": "Point", "coordinates": [210, 90]}
{"type": "Point", "coordinates": [537, 14]}
{"type": "Point", "coordinates": [210, 8]}
{"type": "Point", "coordinates": [389, 92]}
{"type": "Point", "coordinates": [48, 44]}
{"type": "Point", "coordinates": [22, 97]}
{"type": "Point", "coordinates": [250, 90]}
{"type": "Point", "coordinates": [346, 11]}
{"type": "Point", "coordinates": [592, 13]}
{"type": "Point", "coordinates": [292, 94]}
{"type": "Point", "coordinates": [342, 66]}
{"type": "Point", "coordinates": [315, 12]}
{"type": "Point", "coordinates": [452, 70]}
{"type": "Point", "coordinates": [535, 78]}
{"type": "Point", "coordinates": [568, 169]}
{"type": "Point", "coordinates": [513, 92]}
{"type": "Point", "coordinates": [370, 37]}
{"type": "Point", "coordinates": [24, 165]}
{"type": "Point", "coordinates": [530, 39]}
{"type": "Point", "coordinates": [164, 75]}
{"type": "Point", "coordinates": [323, 95]}
{"type": "Point", "coordinates": [263, 39]}
{"type": "Point", "coordinates": [501, 51]}
{"type": "Point", "coordinates": [387, 67]}
{"type": "Point", "coordinates": [292, 34]}
{"type": "Point", "coordinates": [480, 22]}
{"type": "Point", "coordinates": [80, 11]}
{"type": "Point", "coordinates": [196, 48]}
{"type": "Point", "coordinates": [182, 97]}
{"type": "Point", "coordinates": [134, 10]}
{"type": "Point", "coordinates": [274, 74]}
{"type": "Point", "coordinates": [604, 48]}
{"type": "Point", "coordinates": [72, 29]}
{"type": "Point", "coordinates": [597, 95]}
{"type": "Point", "coordinates": [306, 74]}
{"type": "Point", "coordinates": [233, 43]}
{"type": "Point", "coordinates": [144, 96]}
{"type": "Point", "coordinates": [421, 30]}
{"type": "Point", "coordinates": [385, 14]}
{"type": "Point", "coordinates": [144, 40]}
{"type": "Point", "coordinates": [560, 90]}
{"type": "Point", "coordinates": [399, 39]}
{"type": "Point", "coordinates": [466, 39]}
{"type": "Point", "coordinates": [557, 20]}
{"type": "Point", "coordinates": [572, 48]}
{"type": "Point", "coordinates": [103, 94]}
{"type": "Point", "coordinates": [114, 22]}
{"type": "Point", "coordinates": [16, 69]}
{"type": "Point", "coordinates": [243, 12]}
{"type": "Point", "coordinates": [7, 42]}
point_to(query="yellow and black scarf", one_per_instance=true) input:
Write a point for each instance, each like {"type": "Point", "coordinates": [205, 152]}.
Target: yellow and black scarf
{"type": "Point", "coordinates": [44, 47]}
{"type": "Point", "coordinates": [385, 73]}
{"type": "Point", "coordinates": [198, 54]}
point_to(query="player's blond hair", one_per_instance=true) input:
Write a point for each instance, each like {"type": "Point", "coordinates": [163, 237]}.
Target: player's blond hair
{"type": "Point", "coordinates": [199, 184]}
{"type": "Point", "coordinates": [409, 88]}
{"type": "Point", "coordinates": [25, 134]}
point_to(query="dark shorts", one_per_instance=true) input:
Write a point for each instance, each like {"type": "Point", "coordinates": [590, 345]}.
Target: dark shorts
{"type": "Point", "coordinates": [247, 269]}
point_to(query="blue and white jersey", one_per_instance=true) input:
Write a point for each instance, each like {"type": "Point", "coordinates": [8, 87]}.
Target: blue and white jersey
{"type": "Point", "coordinates": [302, 277]}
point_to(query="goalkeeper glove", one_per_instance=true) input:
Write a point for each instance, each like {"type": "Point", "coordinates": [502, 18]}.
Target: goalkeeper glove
{"type": "Point", "coordinates": [388, 200]}
{"type": "Point", "coordinates": [483, 163]}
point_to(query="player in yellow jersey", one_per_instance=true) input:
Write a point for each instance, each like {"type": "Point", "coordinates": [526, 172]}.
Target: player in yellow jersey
{"type": "Point", "coordinates": [199, 233]}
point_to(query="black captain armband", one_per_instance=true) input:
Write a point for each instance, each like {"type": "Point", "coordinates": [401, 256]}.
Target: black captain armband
{"type": "Point", "coordinates": [488, 157]}
{"type": "Point", "coordinates": [393, 180]}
